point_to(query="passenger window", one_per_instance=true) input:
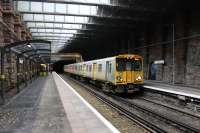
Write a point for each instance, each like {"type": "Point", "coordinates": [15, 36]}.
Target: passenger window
{"type": "Point", "coordinates": [87, 68]}
{"type": "Point", "coordinates": [90, 68]}
{"type": "Point", "coordinates": [84, 67]}
{"type": "Point", "coordinates": [100, 68]}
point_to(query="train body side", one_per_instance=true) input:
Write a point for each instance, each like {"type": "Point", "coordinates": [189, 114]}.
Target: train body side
{"type": "Point", "coordinates": [122, 73]}
{"type": "Point", "coordinates": [102, 70]}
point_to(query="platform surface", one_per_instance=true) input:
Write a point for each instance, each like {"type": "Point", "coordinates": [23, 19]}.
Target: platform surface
{"type": "Point", "coordinates": [173, 89]}
{"type": "Point", "coordinates": [41, 109]}
{"type": "Point", "coordinates": [82, 116]}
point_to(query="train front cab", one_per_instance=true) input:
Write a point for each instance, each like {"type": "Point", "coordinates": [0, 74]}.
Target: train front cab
{"type": "Point", "coordinates": [129, 73]}
{"type": "Point", "coordinates": [43, 70]}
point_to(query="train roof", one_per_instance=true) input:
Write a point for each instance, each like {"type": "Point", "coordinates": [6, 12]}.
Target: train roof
{"type": "Point", "coordinates": [129, 56]}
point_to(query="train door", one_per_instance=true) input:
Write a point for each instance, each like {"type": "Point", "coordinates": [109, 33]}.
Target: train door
{"type": "Point", "coordinates": [128, 72]}
{"type": "Point", "coordinates": [107, 70]}
{"type": "Point", "coordinates": [84, 70]}
{"type": "Point", "coordinates": [94, 70]}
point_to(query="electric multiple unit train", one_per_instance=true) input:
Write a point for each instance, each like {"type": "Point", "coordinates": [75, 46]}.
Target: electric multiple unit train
{"type": "Point", "coordinates": [120, 74]}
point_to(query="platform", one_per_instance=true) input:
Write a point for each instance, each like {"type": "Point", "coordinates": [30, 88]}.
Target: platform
{"type": "Point", "coordinates": [50, 105]}
{"type": "Point", "coordinates": [173, 89]}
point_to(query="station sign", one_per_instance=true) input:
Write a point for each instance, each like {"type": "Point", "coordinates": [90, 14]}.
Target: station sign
{"type": "Point", "coordinates": [21, 61]}
{"type": "Point", "coordinates": [159, 62]}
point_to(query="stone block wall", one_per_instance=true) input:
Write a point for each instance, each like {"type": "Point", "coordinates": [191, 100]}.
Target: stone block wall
{"type": "Point", "coordinates": [193, 63]}
{"type": "Point", "coordinates": [186, 69]}
{"type": "Point", "coordinates": [1, 27]}
{"type": "Point", "coordinates": [14, 31]}
{"type": "Point", "coordinates": [17, 26]}
{"type": "Point", "coordinates": [193, 52]}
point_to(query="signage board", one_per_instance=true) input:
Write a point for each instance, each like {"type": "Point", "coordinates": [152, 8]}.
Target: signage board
{"type": "Point", "coordinates": [159, 62]}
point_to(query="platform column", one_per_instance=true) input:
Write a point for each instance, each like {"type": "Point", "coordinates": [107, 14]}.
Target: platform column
{"type": "Point", "coordinates": [26, 70]}
{"type": "Point", "coordinates": [18, 74]}
{"type": "Point", "coordinates": [33, 69]}
{"type": "Point", "coordinates": [30, 70]}
{"type": "Point", "coordinates": [17, 26]}
{"type": "Point", "coordinates": [8, 18]}
{"type": "Point", "coordinates": [23, 32]}
{"type": "Point", "coordinates": [25, 73]}
{"type": "Point", "coordinates": [1, 27]}
{"type": "Point", "coordinates": [2, 76]}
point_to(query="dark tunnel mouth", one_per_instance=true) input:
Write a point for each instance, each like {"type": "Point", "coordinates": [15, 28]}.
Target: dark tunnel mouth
{"type": "Point", "coordinates": [58, 66]}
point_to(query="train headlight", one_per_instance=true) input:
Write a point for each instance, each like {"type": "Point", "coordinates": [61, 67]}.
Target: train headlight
{"type": "Point", "coordinates": [119, 78]}
{"type": "Point", "coordinates": [139, 78]}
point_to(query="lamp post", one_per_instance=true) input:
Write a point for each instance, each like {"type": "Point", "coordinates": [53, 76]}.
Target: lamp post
{"type": "Point", "coordinates": [173, 50]}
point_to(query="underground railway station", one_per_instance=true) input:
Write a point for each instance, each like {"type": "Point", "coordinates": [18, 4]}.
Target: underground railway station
{"type": "Point", "coordinates": [99, 66]}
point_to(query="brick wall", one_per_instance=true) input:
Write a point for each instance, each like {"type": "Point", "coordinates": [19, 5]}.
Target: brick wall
{"type": "Point", "coordinates": [8, 18]}
{"type": "Point", "coordinates": [187, 51]}
{"type": "Point", "coordinates": [17, 26]}
{"type": "Point", "coordinates": [16, 32]}
{"type": "Point", "coordinates": [1, 27]}
{"type": "Point", "coordinates": [193, 53]}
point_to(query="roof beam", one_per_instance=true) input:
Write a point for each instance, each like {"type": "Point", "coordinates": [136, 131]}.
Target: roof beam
{"type": "Point", "coordinates": [59, 38]}
{"type": "Point", "coordinates": [27, 42]}
{"type": "Point", "coordinates": [39, 54]}
{"type": "Point", "coordinates": [113, 5]}
{"type": "Point", "coordinates": [110, 25]}
{"type": "Point", "coordinates": [43, 36]}
{"type": "Point", "coordinates": [27, 51]}
{"type": "Point", "coordinates": [84, 29]}
{"type": "Point", "coordinates": [58, 28]}
{"type": "Point", "coordinates": [58, 33]}
{"type": "Point", "coordinates": [33, 21]}
{"type": "Point", "coordinates": [73, 2]}
{"type": "Point", "coordinates": [82, 15]}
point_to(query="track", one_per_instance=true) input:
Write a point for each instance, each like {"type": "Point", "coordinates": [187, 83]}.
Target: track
{"type": "Point", "coordinates": [128, 108]}
{"type": "Point", "coordinates": [172, 108]}
{"type": "Point", "coordinates": [171, 121]}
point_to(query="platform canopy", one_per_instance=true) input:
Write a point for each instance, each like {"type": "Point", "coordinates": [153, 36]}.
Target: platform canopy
{"type": "Point", "coordinates": [65, 21]}
{"type": "Point", "coordinates": [59, 21]}
{"type": "Point", "coordinates": [37, 50]}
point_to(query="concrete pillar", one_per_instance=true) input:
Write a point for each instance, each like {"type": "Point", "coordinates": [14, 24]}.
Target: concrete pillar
{"type": "Point", "coordinates": [193, 52]}
{"type": "Point", "coordinates": [28, 35]}
{"type": "Point", "coordinates": [123, 45]}
{"type": "Point", "coordinates": [146, 62]}
{"type": "Point", "coordinates": [1, 27]}
{"type": "Point", "coordinates": [1, 9]}
{"type": "Point", "coordinates": [180, 48]}
{"type": "Point", "coordinates": [158, 52]}
{"type": "Point", "coordinates": [131, 44]}
{"type": "Point", "coordinates": [10, 58]}
{"type": "Point", "coordinates": [152, 53]}
{"type": "Point", "coordinates": [23, 33]}
{"type": "Point", "coordinates": [8, 18]}
{"type": "Point", "coordinates": [17, 26]}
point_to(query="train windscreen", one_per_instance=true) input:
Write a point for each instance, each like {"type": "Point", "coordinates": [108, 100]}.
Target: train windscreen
{"type": "Point", "coordinates": [129, 65]}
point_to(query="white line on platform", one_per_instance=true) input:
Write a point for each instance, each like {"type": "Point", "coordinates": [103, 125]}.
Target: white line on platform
{"type": "Point", "coordinates": [106, 122]}
{"type": "Point", "coordinates": [173, 91]}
